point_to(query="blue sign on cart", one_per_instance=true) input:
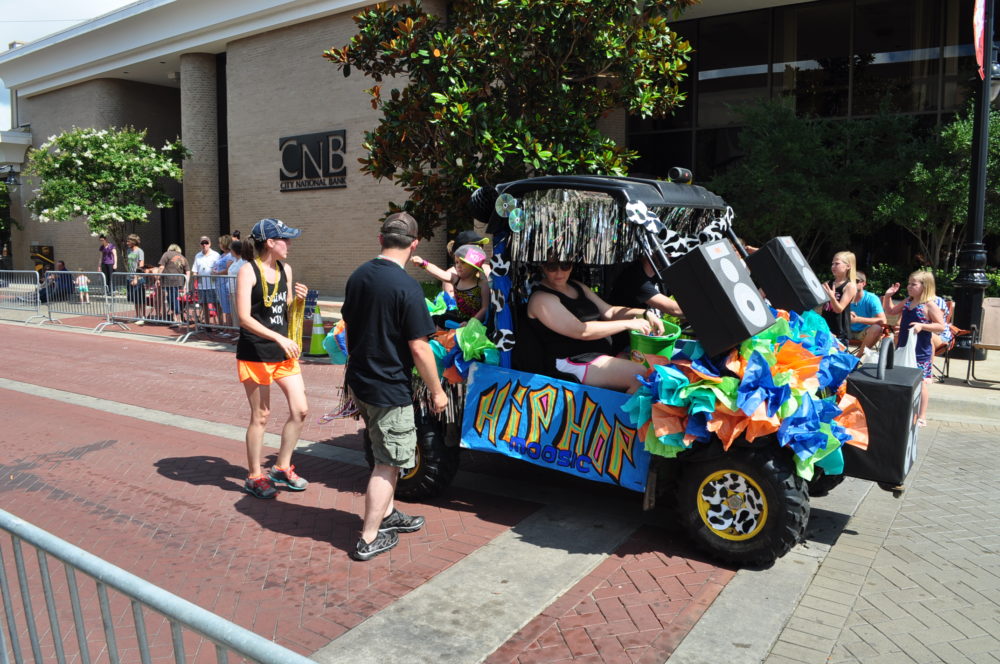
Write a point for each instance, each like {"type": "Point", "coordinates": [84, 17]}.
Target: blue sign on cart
{"type": "Point", "coordinates": [579, 430]}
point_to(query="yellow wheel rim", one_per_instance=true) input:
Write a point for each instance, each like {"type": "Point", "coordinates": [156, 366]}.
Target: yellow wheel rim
{"type": "Point", "coordinates": [732, 505]}
{"type": "Point", "coordinates": [412, 472]}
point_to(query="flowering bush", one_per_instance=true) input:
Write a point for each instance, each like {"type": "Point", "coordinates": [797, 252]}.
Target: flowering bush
{"type": "Point", "coordinates": [5, 221]}
{"type": "Point", "coordinates": [108, 176]}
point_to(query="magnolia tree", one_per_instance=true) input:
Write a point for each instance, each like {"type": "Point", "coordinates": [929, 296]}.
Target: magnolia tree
{"type": "Point", "coordinates": [110, 177]}
{"type": "Point", "coordinates": [504, 89]}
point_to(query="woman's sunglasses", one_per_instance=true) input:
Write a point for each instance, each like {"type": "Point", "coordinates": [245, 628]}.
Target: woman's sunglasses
{"type": "Point", "coordinates": [562, 265]}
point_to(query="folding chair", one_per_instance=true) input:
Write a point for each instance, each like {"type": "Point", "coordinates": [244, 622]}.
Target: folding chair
{"type": "Point", "coordinates": [945, 349]}
{"type": "Point", "coordinates": [985, 336]}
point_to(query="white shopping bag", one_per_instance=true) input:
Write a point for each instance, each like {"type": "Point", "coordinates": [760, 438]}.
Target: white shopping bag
{"type": "Point", "coordinates": [907, 355]}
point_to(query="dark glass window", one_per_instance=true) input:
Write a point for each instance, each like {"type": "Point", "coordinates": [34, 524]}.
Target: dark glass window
{"type": "Point", "coordinates": [658, 153]}
{"type": "Point", "coordinates": [811, 56]}
{"type": "Point", "coordinates": [830, 58]}
{"type": "Point", "coordinates": [715, 149]}
{"type": "Point", "coordinates": [732, 65]}
{"type": "Point", "coordinates": [896, 51]}
{"type": "Point", "coordinates": [959, 57]}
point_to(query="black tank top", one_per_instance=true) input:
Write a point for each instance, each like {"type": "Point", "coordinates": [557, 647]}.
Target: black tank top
{"type": "Point", "coordinates": [251, 347]}
{"type": "Point", "coordinates": [555, 345]}
{"type": "Point", "coordinates": [840, 324]}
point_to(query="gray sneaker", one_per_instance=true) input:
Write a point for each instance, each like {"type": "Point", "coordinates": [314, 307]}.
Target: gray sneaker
{"type": "Point", "coordinates": [367, 550]}
{"type": "Point", "coordinates": [401, 523]}
{"type": "Point", "coordinates": [261, 487]}
{"type": "Point", "coordinates": [287, 478]}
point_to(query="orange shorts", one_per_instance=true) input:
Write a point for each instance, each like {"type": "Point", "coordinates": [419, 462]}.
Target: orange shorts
{"type": "Point", "coordinates": [263, 373]}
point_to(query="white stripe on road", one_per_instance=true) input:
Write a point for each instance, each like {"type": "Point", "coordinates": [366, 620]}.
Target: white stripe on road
{"type": "Point", "coordinates": [219, 429]}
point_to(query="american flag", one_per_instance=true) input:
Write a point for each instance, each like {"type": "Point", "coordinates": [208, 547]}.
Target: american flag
{"type": "Point", "coordinates": [979, 35]}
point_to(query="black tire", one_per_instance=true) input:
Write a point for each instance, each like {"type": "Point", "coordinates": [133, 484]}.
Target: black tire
{"type": "Point", "coordinates": [436, 465]}
{"type": "Point", "coordinates": [769, 509]}
{"type": "Point", "coordinates": [821, 484]}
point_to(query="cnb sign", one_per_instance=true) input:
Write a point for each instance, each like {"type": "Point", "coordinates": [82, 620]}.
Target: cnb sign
{"type": "Point", "coordinates": [313, 161]}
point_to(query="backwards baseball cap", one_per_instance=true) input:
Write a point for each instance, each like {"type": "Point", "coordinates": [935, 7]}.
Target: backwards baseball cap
{"type": "Point", "coordinates": [471, 254]}
{"type": "Point", "coordinates": [273, 229]}
{"type": "Point", "coordinates": [400, 223]}
{"type": "Point", "coordinates": [471, 237]}
{"type": "Point", "coordinates": [466, 237]}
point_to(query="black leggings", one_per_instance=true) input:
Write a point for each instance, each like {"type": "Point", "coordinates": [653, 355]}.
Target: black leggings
{"type": "Point", "coordinates": [107, 270]}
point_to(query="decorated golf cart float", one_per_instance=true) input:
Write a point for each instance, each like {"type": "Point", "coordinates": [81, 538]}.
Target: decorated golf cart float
{"type": "Point", "coordinates": [738, 417]}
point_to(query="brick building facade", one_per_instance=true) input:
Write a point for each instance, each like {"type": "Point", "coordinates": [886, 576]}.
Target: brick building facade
{"type": "Point", "coordinates": [231, 102]}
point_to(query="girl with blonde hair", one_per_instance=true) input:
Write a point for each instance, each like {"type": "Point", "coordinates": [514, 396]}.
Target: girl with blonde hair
{"type": "Point", "coordinates": [841, 291]}
{"type": "Point", "coordinates": [920, 317]}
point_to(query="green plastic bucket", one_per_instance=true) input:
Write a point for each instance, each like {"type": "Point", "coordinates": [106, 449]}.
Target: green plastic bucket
{"type": "Point", "coordinates": [656, 345]}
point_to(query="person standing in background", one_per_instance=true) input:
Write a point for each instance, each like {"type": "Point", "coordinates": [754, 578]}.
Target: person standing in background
{"type": "Point", "coordinates": [223, 292]}
{"type": "Point", "coordinates": [919, 319]}
{"type": "Point", "coordinates": [135, 259]}
{"type": "Point", "coordinates": [840, 292]}
{"type": "Point", "coordinates": [173, 263]}
{"type": "Point", "coordinates": [109, 261]}
{"type": "Point", "coordinates": [201, 268]}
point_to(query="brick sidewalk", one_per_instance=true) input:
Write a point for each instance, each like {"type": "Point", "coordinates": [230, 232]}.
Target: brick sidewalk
{"type": "Point", "coordinates": [914, 579]}
{"type": "Point", "coordinates": [635, 607]}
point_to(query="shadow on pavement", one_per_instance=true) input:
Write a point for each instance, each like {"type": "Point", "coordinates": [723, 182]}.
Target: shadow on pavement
{"type": "Point", "coordinates": [825, 526]}
{"type": "Point", "coordinates": [323, 524]}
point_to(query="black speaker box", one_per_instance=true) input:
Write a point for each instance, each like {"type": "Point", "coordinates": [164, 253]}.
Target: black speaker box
{"type": "Point", "coordinates": [718, 297]}
{"type": "Point", "coordinates": [781, 271]}
{"type": "Point", "coordinates": [891, 401]}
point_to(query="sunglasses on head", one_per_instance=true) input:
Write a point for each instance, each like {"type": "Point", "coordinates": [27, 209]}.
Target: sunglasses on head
{"type": "Point", "coordinates": [557, 265]}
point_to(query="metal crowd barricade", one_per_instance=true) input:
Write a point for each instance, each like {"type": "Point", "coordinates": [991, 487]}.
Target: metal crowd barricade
{"type": "Point", "coordinates": [76, 294]}
{"type": "Point", "coordinates": [144, 598]}
{"type": "Point", "coordinates": [143, 297]}
{"type": "Point", "coordinates": [19, 291]}
{"type": "Point", "coordinates": [211, 303]}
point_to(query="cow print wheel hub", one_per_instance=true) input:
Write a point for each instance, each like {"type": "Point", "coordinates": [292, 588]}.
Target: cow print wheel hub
{"type": "Point", "coordinates": [732, 505]}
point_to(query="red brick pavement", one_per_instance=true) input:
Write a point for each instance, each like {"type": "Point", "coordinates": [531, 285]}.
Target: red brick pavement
{"type": "Point", "coordinates": [636, 606]}
{"type": "Point", "coordinates": [166, 505]}
{"type": "Point", "coordinates": [170, 509]}
{"type": "Point", "coordinates": [188, 380]}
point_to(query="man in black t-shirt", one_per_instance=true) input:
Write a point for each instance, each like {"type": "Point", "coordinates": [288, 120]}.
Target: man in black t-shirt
{"type": "Point", "coordinates": [387, 328]}
{"type": "Point", "coordinates": [637, 286]}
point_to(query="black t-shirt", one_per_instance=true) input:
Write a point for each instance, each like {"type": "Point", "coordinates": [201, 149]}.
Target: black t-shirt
{"type": "Point", "coordinates": [633, 288]}
{"type": "Point", "coordinates": [383, 310]}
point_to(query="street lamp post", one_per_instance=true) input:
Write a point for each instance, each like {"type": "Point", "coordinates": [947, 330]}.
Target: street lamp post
{"type": "Point", "coordinates": [971, 282]}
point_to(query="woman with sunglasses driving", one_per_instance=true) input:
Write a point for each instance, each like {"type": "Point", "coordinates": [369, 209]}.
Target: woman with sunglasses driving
{"type": "Point", "coordinates": [574, 328]}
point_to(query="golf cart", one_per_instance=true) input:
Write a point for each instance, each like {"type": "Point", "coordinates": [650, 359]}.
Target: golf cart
{"type": "Point", "coordinates": [745, 408]}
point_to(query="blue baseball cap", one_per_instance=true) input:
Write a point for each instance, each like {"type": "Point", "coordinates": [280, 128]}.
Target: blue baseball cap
{"type": "Point", "coordinates": [273, 229]}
